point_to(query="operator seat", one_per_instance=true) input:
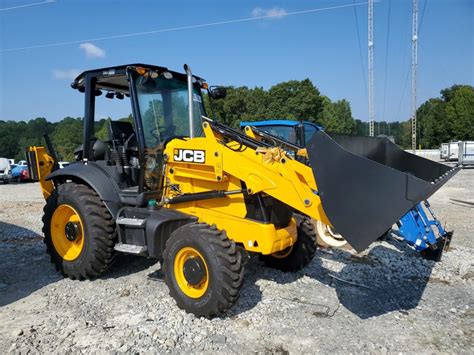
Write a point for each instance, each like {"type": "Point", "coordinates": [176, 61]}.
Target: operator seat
{"type": "Point", "coordinates": [120, 132]}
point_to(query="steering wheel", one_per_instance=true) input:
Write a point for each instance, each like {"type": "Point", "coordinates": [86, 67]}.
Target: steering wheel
{"type": "Point", "coordinates": [162, 132]}
{"type": "Point", "coordinates": [156, 132]}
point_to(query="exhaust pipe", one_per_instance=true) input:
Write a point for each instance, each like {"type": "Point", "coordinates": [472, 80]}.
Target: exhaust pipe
{"type": "Point", "coordinates": [189, 74]}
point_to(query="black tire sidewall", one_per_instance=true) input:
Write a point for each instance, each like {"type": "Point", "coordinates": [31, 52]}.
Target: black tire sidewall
{"type": "Point", "coordinates": [91, 262]}
{"type": "Point", "coordinates": [223, 262]}
{"type": "Point", "coordinates": [71, 266]}
{"type": "Point", "coordinates": [199, 243]}
{"type": "Point", "coordinates": [302, 252]}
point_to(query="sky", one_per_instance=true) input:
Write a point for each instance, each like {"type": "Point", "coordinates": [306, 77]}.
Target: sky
{"type": "Point", "coordinates": [273, 44]}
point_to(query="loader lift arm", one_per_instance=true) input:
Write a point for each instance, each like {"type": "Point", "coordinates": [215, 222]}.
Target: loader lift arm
{"type": "Point", "coordinates": [361, 153]}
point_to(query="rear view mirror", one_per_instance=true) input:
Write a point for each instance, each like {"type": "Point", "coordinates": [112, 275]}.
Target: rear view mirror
{"type": "Point", "coordinates": [217, 92]}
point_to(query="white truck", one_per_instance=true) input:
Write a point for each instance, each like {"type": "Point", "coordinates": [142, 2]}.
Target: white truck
{"type": "Point", "coordinates": [444, 151]}
{"type": "Point", "coordinates": [5, 171]}
{"type": "Point", "coordinates": [453, 150]}
{"type": "Point", "coordinates": [466, 153]}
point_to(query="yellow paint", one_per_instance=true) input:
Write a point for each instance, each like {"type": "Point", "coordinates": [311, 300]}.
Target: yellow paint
{"type": "Point", "coordinates": [283, 254]}
{"type": "Point", "coordinates": [66, 249]}
{"type": "Point", "coordinates": [44, 165]}
{"type": "Point", "coordinates": [192, 291]}
{"type": "Point", "coordinates": [226, 165]}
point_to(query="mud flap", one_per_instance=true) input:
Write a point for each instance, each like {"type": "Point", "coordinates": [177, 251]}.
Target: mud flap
{"type": "Point", "coordinates": [367, 184]}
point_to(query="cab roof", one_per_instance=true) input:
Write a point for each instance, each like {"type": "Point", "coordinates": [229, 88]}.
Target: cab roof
{"type": "Point", "coordinates": [115, 79]}
{"type": "Point", "coordinates": [287, 123]}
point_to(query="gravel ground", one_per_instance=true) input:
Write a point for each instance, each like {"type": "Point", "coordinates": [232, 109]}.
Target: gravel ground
{"type": "Point", "coordinates": [395, 300]}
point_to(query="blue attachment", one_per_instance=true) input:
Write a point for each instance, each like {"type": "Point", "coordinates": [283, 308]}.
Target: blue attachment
{"type": "Point", "coordinates": [288, 123]}
{"type": "Point", "coordinates": [419, 230]}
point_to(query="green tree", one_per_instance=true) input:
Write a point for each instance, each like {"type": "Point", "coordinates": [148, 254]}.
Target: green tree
{"type": "Point", "coordinates": [337, 117]}
{"type": "Point", "coordinates": [67, 137]}
{"type": "Point", "coordinates": [296, 100]}
{"type": "Point", "coordinates": [232, 109]}
{"type": "Point", "coordinates": [450, 117]}
{"type": "Point", "coordinates": [459, 111]}
{"type": "Point", "coordinates": [9, 134]}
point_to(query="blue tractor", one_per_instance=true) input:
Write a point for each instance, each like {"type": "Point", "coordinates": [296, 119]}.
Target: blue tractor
{"type": "Point", "coordinates": [295, 132]}
{"type": "Point", "coordinates": [419, 227]}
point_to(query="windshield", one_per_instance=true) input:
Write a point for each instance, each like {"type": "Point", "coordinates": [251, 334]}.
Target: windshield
{"type": "Point", "coordinates": [164, 109]}
{"type": "Point", "coordinates": [309, 131]}
{"type": "Point", "coordinates": [287, 133]}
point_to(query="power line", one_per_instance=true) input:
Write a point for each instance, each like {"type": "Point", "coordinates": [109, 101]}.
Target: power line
{"type": "Point", "coordinates": [422, 16]}
{"type": "Point", "coordinates": [27, 5]}
{"type": "Point", "coordinates": [386, 58]}
{"type": "Point", "coordinates": [172, 29]}
{"type": "Point", "coordinates": [360, 47]}
{"type": "Point", "coordinates": [403, 91]}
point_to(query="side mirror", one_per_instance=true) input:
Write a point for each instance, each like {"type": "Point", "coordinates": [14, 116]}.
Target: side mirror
{"type": "Point", "coordinates": [217, 92]}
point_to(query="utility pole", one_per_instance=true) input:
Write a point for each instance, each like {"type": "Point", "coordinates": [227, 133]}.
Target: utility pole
{"type": "Point", "coordinates": [414, 62]}
{"type": "Point", "coordinates": [370, 31]}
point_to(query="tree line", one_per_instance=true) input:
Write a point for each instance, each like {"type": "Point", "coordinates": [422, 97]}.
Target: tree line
{"type": "Point", "coordinates": [442, 119]}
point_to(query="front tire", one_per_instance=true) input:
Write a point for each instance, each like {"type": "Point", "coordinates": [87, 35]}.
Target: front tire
{"type": "Point", "coordinates": [79, 232]}
{"type": "Point", "coordinates": [327, 237]}
{"type": "Point", "coordinates": [202, 269]}
{"type": "Point", "coordinates": [299, 254]}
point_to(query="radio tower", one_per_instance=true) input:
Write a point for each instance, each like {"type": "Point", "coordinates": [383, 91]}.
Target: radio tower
{"type": "Point", "coordinates": [414, 62]}
{"type": "Point", "coordinates": [370, 31]}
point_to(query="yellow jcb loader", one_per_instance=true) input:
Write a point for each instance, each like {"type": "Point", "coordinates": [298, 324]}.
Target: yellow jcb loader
{"type": "Point", "coordinates": [198, 195]}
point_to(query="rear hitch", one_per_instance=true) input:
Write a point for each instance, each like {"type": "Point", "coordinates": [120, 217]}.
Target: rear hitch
{"type": "Point", "coordinates": [424, 231]}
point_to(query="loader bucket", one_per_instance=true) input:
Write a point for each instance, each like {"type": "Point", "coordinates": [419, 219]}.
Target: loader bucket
{"type": "Point", "coordinates": [367, 184]}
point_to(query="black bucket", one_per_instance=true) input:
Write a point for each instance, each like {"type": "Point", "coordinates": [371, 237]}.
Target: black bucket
{"type": "Point", "coordinates": [367, 184]}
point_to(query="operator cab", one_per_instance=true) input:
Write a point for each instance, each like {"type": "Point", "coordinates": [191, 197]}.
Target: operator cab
{"type": "Point", "coordinates": [160, 103]}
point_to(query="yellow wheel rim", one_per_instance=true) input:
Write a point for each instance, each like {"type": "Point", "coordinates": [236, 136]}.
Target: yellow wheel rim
{"type": "Point", "coordinates": [283, 253]}
{"type": "Point", "coordinates": [69, 244]}
{"type": "Point", "coordinates": [196, 290]}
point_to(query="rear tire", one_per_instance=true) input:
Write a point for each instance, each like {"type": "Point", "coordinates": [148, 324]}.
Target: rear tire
{"type": "Point", "coordinates": [79, 232]}
{"type": "Point", "coordinates": [299, 254]}
{"type": "Point", "coordinates": [202, 269]}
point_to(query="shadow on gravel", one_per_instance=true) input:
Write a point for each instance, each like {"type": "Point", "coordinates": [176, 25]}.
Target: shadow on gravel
{"type": "Point", "coordinates": [24, 264]}
{"type": "Point", "coordinates": [126, 265]}
{"type": "Point", "coordinates": [394, 282]}
{"type": "Point", "coordinates": [383, 281]}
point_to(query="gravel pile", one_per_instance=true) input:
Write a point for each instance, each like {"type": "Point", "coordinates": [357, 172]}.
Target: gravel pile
{"type": "Point", "coordinates": [385, 299]}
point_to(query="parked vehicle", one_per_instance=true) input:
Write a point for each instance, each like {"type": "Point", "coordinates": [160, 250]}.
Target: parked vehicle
{"type": "Point", "coordinates": [453, 151]}
{"type": "Point", "coordinates": [295, 132]}
{"type": "Point", "coordinates": [22, 163]}
{"type": "Point", "coordinates": [20, 173]}
{"type": "Point", "coordinates": [444, 151]}
{"type": "Point", "coordinates": [466, 153]}
{"type": "Point", "coordinates": [5, 170]}
{"type": "Point", "coordinates": [12, 161]}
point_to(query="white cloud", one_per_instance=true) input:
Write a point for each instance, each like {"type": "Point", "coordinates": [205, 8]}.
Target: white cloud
{"type": "Point", "coordinates": [274, 13]}
{"type": "Point", "coordinates": [69, 74]}
{"type": "Point", "coordinates": [92, 51]}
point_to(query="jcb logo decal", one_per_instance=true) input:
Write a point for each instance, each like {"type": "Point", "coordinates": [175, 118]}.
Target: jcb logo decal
{"type": "Point", "coordinates": [189, 155]}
